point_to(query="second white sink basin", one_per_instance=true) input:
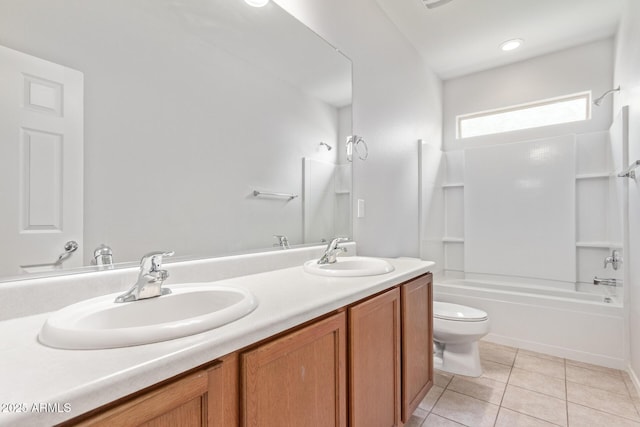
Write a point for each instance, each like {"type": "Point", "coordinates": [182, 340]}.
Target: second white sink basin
{"type": "Point", "coordinates": [350, 266]}
{"type": "Point", "coordinates": [101, 323]}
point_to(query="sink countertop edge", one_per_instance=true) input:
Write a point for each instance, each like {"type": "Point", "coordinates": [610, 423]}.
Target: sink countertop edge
{"type": "Point", "coordinates": [87, 379]}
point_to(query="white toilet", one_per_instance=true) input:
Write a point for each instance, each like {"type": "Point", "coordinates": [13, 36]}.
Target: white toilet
{"type": "Point", "coordinates": [456, 331]}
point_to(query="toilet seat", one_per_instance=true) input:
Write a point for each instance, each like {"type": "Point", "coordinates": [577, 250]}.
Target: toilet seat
{"type": "Point", "coordinates": [457, 312]}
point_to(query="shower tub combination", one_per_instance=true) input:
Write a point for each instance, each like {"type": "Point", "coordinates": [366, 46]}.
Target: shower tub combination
{"type": "Point", "coordinates": [527, 225]}
{"type": "Point", "coordinates": [577, 325]}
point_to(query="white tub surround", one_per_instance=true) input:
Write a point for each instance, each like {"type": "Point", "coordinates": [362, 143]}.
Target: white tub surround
{"type": "Point", "coordinates": [88, 379]}
{"type": "Point", "coordinates": [519, 209]}
{"type": "Point", "coordinates": [563, 323]}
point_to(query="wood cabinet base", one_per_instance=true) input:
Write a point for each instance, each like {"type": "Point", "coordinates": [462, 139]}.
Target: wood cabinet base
{"type": "Point", "coordinates": [298, 379]}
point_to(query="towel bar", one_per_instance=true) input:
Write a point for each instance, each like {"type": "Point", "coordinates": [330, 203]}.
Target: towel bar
{"type": "Point", "coordinates": [257, 193]}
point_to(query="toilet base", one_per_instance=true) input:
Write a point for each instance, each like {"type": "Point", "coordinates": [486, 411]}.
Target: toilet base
{"type": "Point", "coordinates": [459, 359]}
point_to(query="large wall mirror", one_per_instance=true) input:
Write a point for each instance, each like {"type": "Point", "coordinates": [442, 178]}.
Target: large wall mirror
{"type": "Point", "coordinates": [166, 125]}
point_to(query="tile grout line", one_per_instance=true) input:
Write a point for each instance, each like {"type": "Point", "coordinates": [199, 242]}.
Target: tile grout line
{"type": "Point", "coordinates": [566, 381]}
{"type": "Point", "coordinates": [436, 402]}
{"type": "Point", "coordinates": [606, 413]}
{"type": "Point", "coordinates": [601, 389]}
{"type": "Point", "coordinates": [438, 415]}
{"type": "Point", "coordinates": [506, 385]}
{"type": "Point", "coordinates": [524, 388]}
{"type": "Point", "coordinates": [565, 367]}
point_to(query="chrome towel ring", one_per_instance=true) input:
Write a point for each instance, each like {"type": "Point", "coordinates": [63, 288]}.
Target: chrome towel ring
{"type": "Point", "coordinates": [358, 145]}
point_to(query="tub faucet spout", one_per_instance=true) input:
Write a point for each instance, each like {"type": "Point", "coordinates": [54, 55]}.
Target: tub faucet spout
{"type": "Point", "coordinates": [606, 282]}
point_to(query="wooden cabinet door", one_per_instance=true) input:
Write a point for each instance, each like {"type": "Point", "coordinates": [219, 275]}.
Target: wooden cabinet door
{"type": "Point", "coordinates": [298, 379]}
{"type": "Point", "coordinates": [417, 342]}
{"type": "Point", "coordinates": [374, 361]}
{"type": "Point", "coordinates": [223, 397]}
{"type": "Point", "coordinates": [180, 403]}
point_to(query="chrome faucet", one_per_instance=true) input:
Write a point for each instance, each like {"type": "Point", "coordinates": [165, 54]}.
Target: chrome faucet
{"type": "Point", "coordinates": [332, 251]}
{"type": "Point", "coordinates": [150, 279]}
{"type": "Point", "coordinates": [606, 282]}
{"type": "Point", "coordinates": [615, 260]}
{"type": "Point", "coordinates": [283, 242]}
{"type": "Point", "coordinates": [103, 255]}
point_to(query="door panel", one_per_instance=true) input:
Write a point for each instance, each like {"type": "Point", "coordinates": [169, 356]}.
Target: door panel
{"type": "Point", "coordinates": [41, 174]}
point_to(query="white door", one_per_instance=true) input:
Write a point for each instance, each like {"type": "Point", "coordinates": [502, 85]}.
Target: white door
{"type": "Point", "coordinates": [41, 163]}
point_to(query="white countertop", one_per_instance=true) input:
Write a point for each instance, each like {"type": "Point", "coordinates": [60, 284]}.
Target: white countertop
{"type": "Point", "coordinates": [32, 374]}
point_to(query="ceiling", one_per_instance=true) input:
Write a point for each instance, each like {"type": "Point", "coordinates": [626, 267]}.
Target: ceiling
{"type": "Point", "coordinates": [463, 36]}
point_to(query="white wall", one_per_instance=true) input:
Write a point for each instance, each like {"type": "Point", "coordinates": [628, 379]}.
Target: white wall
{"type": "Point", "coordinates": [627, 75]}
{"type": "Point", "coordinates": [578, 69]}
{"type": "Point", "coordinates": [396, 101]}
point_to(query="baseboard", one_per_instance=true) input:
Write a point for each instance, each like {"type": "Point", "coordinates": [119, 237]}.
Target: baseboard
{"type": "Point", "coordinates": [634, 379]}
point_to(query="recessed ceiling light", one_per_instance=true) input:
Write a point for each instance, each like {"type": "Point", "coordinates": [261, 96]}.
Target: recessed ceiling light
{"type": "Point", "coordinates": [511, 44]}
{"type": "Point", "coordinates": [256, 3]}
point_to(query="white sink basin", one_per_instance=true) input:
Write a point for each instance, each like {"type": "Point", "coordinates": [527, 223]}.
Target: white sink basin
{"type": "Point", "coordinates": [351, 266]}
{"type": "Point", "coordinates": [102, 323]}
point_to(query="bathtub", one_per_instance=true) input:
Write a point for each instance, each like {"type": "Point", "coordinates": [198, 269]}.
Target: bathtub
{"type": "Point", "coordinates": [576, 325]}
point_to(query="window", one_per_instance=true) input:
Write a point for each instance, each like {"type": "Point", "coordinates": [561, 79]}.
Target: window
{"type": "Point", "coordinates": [571, 108]}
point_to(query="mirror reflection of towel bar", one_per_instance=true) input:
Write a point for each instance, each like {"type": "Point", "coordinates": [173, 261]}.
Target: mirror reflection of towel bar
{"type": "Point", "coordinates": [257, 193]}
{"type": "Point", "coordinates": [630, 172]}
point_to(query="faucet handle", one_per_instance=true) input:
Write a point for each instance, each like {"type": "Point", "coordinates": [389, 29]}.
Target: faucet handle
{"type": "Point", "coordinates": [615, 260]}
{"type": "Point", "coordinates": [153, 260]}
{"type": "Point", "coordinates": [335, 241]}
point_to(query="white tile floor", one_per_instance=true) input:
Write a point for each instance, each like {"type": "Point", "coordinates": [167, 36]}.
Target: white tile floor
{"type": "Point", "coordinates": [523, 388]}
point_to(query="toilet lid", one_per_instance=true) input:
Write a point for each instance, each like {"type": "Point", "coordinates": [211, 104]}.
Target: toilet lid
{"type": "Point", "coordinates": [460, 313]}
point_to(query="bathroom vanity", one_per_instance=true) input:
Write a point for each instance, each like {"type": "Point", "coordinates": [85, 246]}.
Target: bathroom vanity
{"type": "Point", "coordinates": [379, 349]}
{"type": "Point", "coordinates": [316, 351]}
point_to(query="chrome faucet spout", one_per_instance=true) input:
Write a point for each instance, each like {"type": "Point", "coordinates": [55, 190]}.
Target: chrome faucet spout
{"type": "Point", "coordinates": [150, 279]}
{"type": "Point", "coordinates": [606, 282]}
{"type": "Point", "coordinates": [332, 250]}
{"type": "Point", "coordinates": [103, 255]}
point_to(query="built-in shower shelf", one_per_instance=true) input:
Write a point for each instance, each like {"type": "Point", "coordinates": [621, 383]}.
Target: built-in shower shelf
{"type": "Point", "coordinates": [599, 244]}
{"type": "Point", "coordinates": [453, 185]}
{"type": "Point", "coordinates": [593, 175]}
{"type": "Point", "coordinates": [452, 240]}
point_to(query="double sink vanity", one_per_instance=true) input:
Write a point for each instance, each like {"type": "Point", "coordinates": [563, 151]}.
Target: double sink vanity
{"type": "Point", "coordinates": [346, 343]}
{"type": "Point", "coordinates": [269, 338]}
